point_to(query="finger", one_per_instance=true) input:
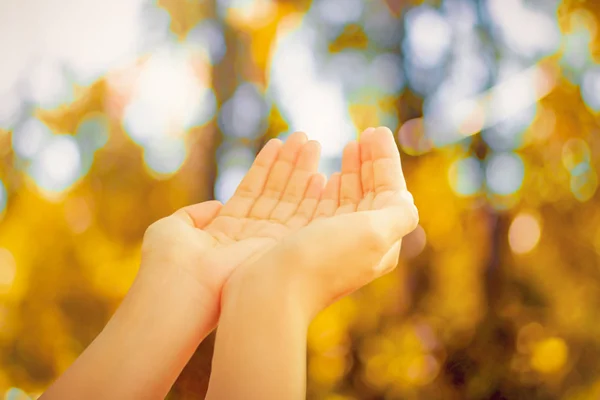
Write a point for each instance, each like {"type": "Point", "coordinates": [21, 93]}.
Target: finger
{"type": "Point", "coordinates": [330, 200]}
{"type": "Point", "coordinates": [279, 176]}
{"type": "Point", "coordinates": [252, 185]}
{"type": "Point", "coordinates": [201, 214]}
{"type": "Point", "coordinates": [306, 166]}
{"type": "Point", "coordinates": [305, 212]}
{"type": "Point", "coordinates": [366, 161]}
{"type": "Point", "coordinates": [350, 185]}
{"type": "Point", "coordinates": [387, 169]}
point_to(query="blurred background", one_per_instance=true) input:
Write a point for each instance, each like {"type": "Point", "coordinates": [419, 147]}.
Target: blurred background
{"type": "Point", "coordinates": [115, 113]}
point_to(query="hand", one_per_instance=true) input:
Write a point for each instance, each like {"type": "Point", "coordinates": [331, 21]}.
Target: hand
{"type": "Point", "coordinates": [205, 242]}
{"type": "Point", "coordinates": [186, 258]}
{"type": "Point", "coordinates": [352, 237]}
{"type": "Point", "coordinates": [356, 231]}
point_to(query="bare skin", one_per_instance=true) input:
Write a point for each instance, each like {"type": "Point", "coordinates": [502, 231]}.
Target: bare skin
{"type": "Point", "coordinates": [207, 241]}
{"type": "Point", "coordinates": [354, 237]}
{"type": "Point", "coordinates": [188, 257]}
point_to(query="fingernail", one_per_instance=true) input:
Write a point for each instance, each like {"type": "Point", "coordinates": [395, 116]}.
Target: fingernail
{"type": "Point", "coordinates": [369, 130]}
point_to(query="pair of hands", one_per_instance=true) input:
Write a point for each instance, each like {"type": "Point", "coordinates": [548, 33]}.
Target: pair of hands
{"type": "Point", "coordinates": [286, 245]}
{"type": "Point", "coordinates": [287, 225]}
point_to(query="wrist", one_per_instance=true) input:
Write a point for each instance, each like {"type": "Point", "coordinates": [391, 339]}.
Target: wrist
{"type": "Point", "coordinates": [269, 288]}
{"type": "Point", "coordinates": [158, 327]}
{"type": "Point", "coordinates": [261, 339]}
{"type": "Point", "coordinates": [170, 303]}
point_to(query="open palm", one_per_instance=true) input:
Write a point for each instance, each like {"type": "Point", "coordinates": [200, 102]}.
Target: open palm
{"type": "Point", "coordinates": [281, 193]}
{"type": "Point", "coordinates": [352, 234]}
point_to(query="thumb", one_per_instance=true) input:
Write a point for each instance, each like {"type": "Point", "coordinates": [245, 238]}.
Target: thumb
{"type": "Point", "coordinates": [201, 214]}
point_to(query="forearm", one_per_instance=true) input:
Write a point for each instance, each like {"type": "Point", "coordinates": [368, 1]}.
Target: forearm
{"type": "Point", "coordinates": [143, 348]}
{"type": "Point", "coordinates": [260, 350]}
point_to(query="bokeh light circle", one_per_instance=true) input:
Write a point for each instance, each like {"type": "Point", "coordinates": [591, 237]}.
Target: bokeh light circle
{"type": "Point", "coordinates": [165, 156]}
{"type": "Point", "coordinates": [386, 73]}
{"type": "Point", "coordinates": [340, 12]}
{"type": "Point", "coordinates": [169, 97]}
{"type": "Point", "coordinates": [228, 181]}
{"type": "Point", "coordinates": [413, 137]}
{"type": "Point", "coordinates": [508, 134]}
{"type": "Point", "coordinates": [58, 165]}
{"type": "Point", "coordinates": [48, 86]}
{"type": "Point", "coordinates": [93, 132]}
{"type": "Point", "coordinates": [143, 124]}
{"type": "Point", "coordinates": [351, 68]}
{"type": "Point", "coordinates": [428, 36]}
{"type": "Point", "coordinates": [590, 88]}
{"type": "Point", "coordinates": [466, 176]}
{"type": "Point", "coordinates": [30, 137]}
{"type": "Point", "coordinates": [584, 184]}
{"type": "Point", "coordinates": [549, 355]}
{"type": "Point", "coordinates": [244, 113]}
{"type": "Point", "coordinates": [504, 173]}
{"type": "Point", "coordinates": [16, 394]}
{"type": "Point", "coordinates": [209, 35]}
{"type": "Point", "coordinates": [524, 233]}
{"type": "Point", "coordinates": [414, 243]}
{"type": "Point", "coordinates": [576, 156]}
{"type": "Point", "coordinates": [381, 26]}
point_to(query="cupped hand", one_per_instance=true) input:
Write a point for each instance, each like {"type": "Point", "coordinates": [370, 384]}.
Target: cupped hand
{"type": "Point", "coordinates": [355, 233]}
{"type": "Point", "coordinates": [204, 243]}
